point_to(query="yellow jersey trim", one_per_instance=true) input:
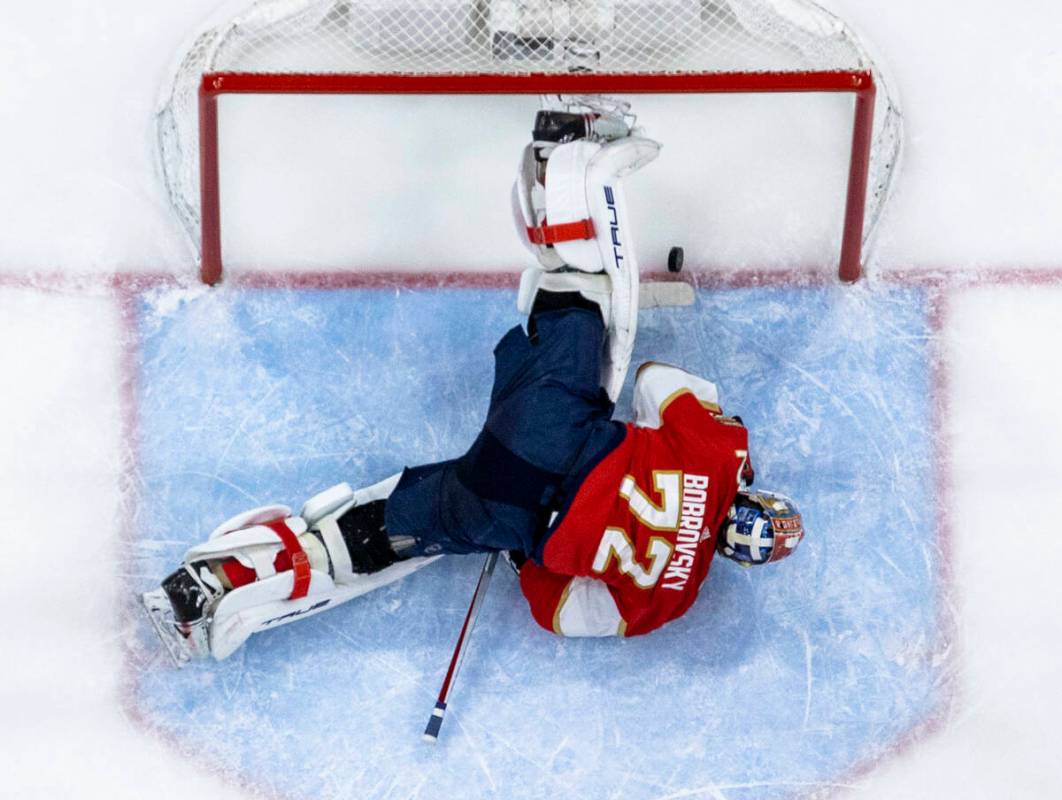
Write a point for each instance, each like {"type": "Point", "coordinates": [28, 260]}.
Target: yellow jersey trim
{"type": "Point", "coordinates": [560, 604]}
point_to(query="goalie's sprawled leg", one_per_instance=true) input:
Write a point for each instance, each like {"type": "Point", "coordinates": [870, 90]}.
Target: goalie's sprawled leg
{"type": "Point", "coordinates": [267, 567]}
{"type": "Point", "coordinates": [571, 210]}
{"type": "Point", "coordinates": [548, 415]}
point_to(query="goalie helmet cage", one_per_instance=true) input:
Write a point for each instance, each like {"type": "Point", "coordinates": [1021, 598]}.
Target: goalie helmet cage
{"type": "Point", "coordinates": [534, 47]}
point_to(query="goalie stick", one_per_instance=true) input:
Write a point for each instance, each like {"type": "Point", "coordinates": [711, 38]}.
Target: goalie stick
{"type": "Point", "coordinates": [435, 721]}
{"type": "Point", "coordinates": [661, 294]}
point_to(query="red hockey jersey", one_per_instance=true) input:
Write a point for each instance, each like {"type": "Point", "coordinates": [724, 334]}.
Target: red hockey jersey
{"type": "Point", "coordinates": [636, 543]}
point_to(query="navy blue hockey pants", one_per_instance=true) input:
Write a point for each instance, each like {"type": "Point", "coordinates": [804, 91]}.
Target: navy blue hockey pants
{"type": "Point", "coordinates": [549, 422]}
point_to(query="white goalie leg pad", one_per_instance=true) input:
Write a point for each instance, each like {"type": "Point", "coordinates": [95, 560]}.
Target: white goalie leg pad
{"type": "Point", "coordinates": [595, 288]}
{"type": "Point", "coordinates": [583, 180]}
{"type": "Point", "coordinates": [322, 513]}
{"type": "Point", "coordinates": [265, 604]}
{"type": "Point", "coordinates": [566, 202]}
{"type": "Point", "coordinates": [246, 519]}
{"type": "Point", "coordinates": [529, 209]}
{"type": "Point", "coordinates": [324, 503]}
{"type": "Point", "coordinates": [252, 539]}
{"type": "Point", "coordinates": [577, 175]}
{"type": "Point", "coordinates": [378, 491]}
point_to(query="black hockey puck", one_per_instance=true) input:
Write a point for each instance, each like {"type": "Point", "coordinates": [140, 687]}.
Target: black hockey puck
{"type": "Point", "coordinates": [674, 259]}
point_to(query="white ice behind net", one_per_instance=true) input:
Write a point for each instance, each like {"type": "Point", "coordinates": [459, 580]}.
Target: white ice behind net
{"type": "Point", "coordinates": [516, 36]}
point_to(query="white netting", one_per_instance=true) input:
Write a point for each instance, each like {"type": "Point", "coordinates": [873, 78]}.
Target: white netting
{"type": "Point", "coordinates": [515, 36]}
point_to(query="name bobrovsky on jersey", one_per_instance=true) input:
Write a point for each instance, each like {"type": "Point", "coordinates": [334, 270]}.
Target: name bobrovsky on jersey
{"type": "Point", "coordinates": [688, 537]}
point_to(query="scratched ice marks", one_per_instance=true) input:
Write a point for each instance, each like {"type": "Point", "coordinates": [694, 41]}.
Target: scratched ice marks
{"type": "Point", "coordinates": [777, 682]}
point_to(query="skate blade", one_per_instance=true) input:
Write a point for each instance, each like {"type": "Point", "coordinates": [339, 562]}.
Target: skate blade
{"type": "Point", "coordinates": [157, 607]}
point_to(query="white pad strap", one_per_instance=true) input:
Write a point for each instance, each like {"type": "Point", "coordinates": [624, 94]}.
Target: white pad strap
{"type": "Point", "coordinates": [336, 546]}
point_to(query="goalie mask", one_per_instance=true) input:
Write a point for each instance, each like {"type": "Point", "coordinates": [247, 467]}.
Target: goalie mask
{"type": "Point", "coordinates": [759, 528]}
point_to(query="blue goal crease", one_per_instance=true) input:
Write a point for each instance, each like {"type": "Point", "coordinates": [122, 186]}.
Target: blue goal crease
{"type": "Point", "coordinates": [779, 679]}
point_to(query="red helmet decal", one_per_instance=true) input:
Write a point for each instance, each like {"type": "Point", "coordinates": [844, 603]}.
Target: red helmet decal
{"type": "Point", "coordinates": [788, 531]}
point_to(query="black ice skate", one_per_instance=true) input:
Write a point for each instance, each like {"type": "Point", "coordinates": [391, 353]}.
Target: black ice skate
{"type": "Point", "coordinates": [599, 119]}
{"type": "Point", "coordinates": [181, 611]}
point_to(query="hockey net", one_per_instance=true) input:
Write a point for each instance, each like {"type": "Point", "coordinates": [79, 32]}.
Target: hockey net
{"type": "Point", "coordinates": [522, 46]}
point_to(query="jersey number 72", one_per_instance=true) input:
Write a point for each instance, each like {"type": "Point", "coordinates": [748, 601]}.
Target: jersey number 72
{"type": "Point", "coordinates": [616, 543]}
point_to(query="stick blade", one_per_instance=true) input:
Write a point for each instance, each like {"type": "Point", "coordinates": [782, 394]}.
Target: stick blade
{"type": "Point", "coordinates": [661, 294]}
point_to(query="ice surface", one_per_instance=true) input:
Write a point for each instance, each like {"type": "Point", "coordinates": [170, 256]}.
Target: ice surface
{"type": "Point", "coordinates": [806, 669]}
{"type": "Point", "coordinates": [980, 189]}
{"type": "Point", "coordinates": [65, 730]}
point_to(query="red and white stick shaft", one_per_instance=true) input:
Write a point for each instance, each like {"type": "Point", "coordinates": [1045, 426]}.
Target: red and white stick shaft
{"type": "Point", "coordinates": [431, 732]}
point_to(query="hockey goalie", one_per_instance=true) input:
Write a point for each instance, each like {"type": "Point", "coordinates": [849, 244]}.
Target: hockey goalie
{"type": "Point", "coordinates": [612, 526]}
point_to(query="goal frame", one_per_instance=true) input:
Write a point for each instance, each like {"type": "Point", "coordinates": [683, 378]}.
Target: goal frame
{"type": "Point", "coordinates": [859, 83]}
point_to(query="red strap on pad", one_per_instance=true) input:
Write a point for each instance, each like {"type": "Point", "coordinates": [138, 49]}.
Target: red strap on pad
{"type": "Point", "coordinates": [564, 232]}
{"type": "Point", "coordinates": [300, 562]}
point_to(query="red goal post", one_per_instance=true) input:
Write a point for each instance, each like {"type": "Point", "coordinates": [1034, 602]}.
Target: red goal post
{"type": "Point", "coordinates": [860, 83]}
